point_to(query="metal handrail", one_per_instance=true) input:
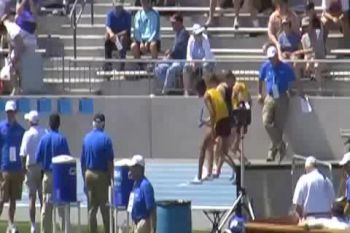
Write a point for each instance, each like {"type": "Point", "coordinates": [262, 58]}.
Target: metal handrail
{"type": "Point", "coordinates": [74, 20]}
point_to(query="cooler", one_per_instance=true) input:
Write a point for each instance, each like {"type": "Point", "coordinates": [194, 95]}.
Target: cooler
{"type": "Point", "coordinates": [122, 186]}
{"type": "Point", "coordinates": [64, 173]}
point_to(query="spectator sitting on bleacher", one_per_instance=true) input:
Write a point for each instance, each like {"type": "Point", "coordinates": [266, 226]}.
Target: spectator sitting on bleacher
{"type": "Point", "coordinates": [168, 72]}
{"type": "Point", "coordinates": [313, 46]}
{"type": "Point", "coordinates": [288, 40]}
{"type": "Point", "coordinates": [282, 11]}
{"type": "Point", "coordinates": [118, 27]}
{"type": "Point", "coordinates": [237, 4]}
{"type": "Point", "coordinates": [336, 12]}
{"type": "Point", "coordinates": [198, 48]}
{"type": "Point", "coordinates": [146, 31]}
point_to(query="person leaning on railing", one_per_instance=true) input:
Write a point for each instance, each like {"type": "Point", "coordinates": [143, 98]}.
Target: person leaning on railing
{"type": "Point", "coordinates": [277, 77]}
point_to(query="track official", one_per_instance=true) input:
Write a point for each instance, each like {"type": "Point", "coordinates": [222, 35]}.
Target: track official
{"type": "Point", "coordinates": [29, 145]}
{"type": "Point", "coordinates": [142, 202]}
{"type": "Point", "coordinates": [11, 167]}
{"type": "Point", "coordinates": [345, 163]}
{"type": "Point", "coordinates": [277, 76]}
{"type": "Point", "coordinates": [97, 167]}
{"type": "Point", "coordinates": [51, 145]}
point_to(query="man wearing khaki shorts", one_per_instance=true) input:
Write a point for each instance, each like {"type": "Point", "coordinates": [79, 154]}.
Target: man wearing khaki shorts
{"type": "Point", "coordinates": [30, 142]}
{"type": "Point", "coordinates": [97, 167]}
{"type": "Point", "coordinates": [11, 134]}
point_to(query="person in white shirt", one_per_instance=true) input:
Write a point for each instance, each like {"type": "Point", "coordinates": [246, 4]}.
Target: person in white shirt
{"type": "Point", "coordinates": [314, 193]}
{"type": "Point", "coordinates": [338, 221]}
{"type": "Point", "coordinates": [30, 141]}
{"type": "Point", "coordinates": [198, 48]}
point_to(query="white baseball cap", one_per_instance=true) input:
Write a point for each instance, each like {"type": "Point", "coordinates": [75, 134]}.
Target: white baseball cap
{"type": "Point", "coordinates": [345, 160]}
{"type": "Point", "coordinates": [32, 116]}
{"type": "Point", "coordinates": [271, 51]}
{"type": "Point", "coordinates": [10, 106]}
{"type": "Point", "coordinates": [136, 160]}
{"type": "Point", "coordinates": [197, 29]}
{"type": "Point", "coordinates": [310, 161]}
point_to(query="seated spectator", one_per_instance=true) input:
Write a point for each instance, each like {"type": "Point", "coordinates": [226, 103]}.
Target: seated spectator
{"type": "Point", "coordinates": [26, 19]}
{"type": "Point", "coordinates": [237, 4]}
{"type": "Point", "coordinates": [146, 31]}
{"type": "Point", "coordinates": [198, 48]}
{"type": "Point", "coordinates": [282, 11]}
{"type": "Point", "coordinates": [313, 47]}
{"type": "Point", "coordinates": [167, 73]}
{"type": "Point", "coordinates": [118, 27]}
{"type": "Point", "coordinates": [336, 12]}
{"type": "Point", "coordinates": [288, 40]}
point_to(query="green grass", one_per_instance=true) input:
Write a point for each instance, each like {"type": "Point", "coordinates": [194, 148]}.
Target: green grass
{"type": "Point", "coordinates": [25, 228]}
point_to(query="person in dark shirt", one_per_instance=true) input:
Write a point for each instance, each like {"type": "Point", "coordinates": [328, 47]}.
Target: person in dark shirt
{"type": "Point", "coordinates": [97, 167]}
{"type": "Point", "coordinates": [167, 72]}
{"type": "Point", "coordinates": [51, 145]}
{"type": "Point", "coordinates": [118, 27]}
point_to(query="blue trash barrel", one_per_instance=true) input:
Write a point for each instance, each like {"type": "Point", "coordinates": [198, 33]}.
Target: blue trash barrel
{"type": "Point", "coordinates": [174, 217]}
{"type": "Point", "coordinates": [122, 186]}
{"type": "Point", "coordinates": [64, 173]}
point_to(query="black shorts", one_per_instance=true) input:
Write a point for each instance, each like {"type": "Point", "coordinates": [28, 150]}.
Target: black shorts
{"type": "Point", "coordinates": [223, 127]}
{"type": "Point", "coordinates": [158, 44]}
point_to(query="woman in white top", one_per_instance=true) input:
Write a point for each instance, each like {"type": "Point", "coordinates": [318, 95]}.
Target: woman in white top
{"type": "Point", "coordinates": [198, 48]}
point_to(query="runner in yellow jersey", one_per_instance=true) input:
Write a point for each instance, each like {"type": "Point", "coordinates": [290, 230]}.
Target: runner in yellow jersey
{"type": "Point", "coordinates": [234, 93]}
{"type": "Point", "coordinates": [220, 126]}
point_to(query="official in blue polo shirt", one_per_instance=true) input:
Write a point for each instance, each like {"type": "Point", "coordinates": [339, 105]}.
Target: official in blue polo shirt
{"type": "Point", "coordinates": [277, 77]}
{"type": "Point", "coordinates": [97, 167]}
{"type": "Point", "coordinates": [345, 163]}
{"type": "Point", "coordinates": [52, 144]}
{"type": "Point", "coordinates": [12, 171]}
{"type": "Point", "coordinates": [143, 209]}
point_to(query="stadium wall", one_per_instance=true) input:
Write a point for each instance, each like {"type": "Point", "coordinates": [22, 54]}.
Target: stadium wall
{"type": "Point", "coordinates": [167, 127]}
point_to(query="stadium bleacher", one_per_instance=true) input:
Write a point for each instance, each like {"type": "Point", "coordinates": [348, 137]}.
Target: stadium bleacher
{"type": "Point", "coordinates": [56, 37]}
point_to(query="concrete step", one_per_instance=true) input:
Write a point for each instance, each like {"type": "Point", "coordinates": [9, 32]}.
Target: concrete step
{"type": "Point", "coordinates": [225, 19]}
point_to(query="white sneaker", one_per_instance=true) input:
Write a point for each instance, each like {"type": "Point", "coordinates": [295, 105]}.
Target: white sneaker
{"type": "Point", "coordinates": [209, 178]}
{"type": "Point", "coordinates": [255, 23]}
{"type": "Point", "coordinates": [13, 230]}
{"type": "Point", "coordinates": [196, 181]}
{"type": "Point", "coordinates": [236, 23]}
{"type": "Point", "coordinates": [33, 229]}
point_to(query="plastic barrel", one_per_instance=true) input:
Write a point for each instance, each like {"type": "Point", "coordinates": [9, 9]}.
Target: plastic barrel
{"type": "Point", "coordinates": [174, 217]}
{"type": "Point", "coordinates": [64, 173]}
{"type": "Point", "coordinates": [122, 185]}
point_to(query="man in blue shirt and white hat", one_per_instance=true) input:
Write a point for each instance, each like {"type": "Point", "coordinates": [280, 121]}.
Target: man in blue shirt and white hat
{"type": "Point", "coordinates": [142, 202]}
{"type": "Point", "coordinates": [97, 168]}
{"type": "Point", "coordinates": [51, 145]}
{"type": "Point", "coordinates": [11, 167]}
{"type": "Point", "coordinates": [277, 77]}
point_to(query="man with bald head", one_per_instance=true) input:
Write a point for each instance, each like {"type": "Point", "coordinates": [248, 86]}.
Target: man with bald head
{"type": "Point", "coordinates": [314, 193]}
